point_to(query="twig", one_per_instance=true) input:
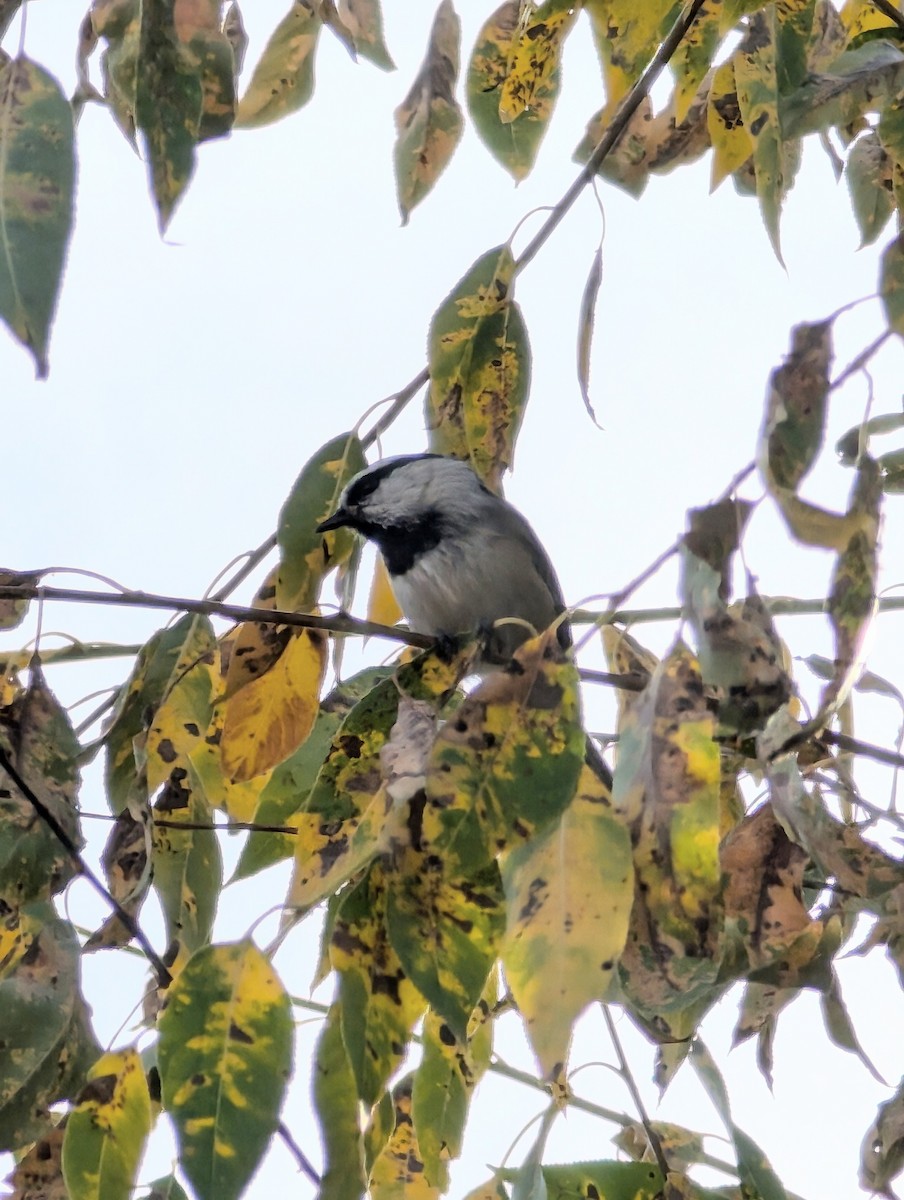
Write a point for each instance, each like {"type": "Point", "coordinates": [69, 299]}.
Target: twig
{"type": "Point", "coordinates": [858, 363]}
{"type": "Point", "coordinates": [854, 746]}
{"type": "Point", "coordinates": [625, 1071]}
{"type": "Point", "coordinates": [631, 681]}
{"type": "Point", "coordinates": [208, 826]}
{"type": "Point", "coordinates": [342, 623]}
{"type": "Point", "coordinates": [617, 126]}
{"type": "Point", "coordinates": [298, 1154]}
{"type": "Point", "coordinates": [251, 562]}
{"type": "Point", "coordinates": [164, 978]}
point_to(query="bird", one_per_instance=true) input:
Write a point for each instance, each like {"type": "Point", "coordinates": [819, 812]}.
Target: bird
{"type": "Point", "coordinates": [460, 558]}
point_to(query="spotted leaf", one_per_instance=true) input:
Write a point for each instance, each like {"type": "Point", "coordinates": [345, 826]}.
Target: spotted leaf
{"type": "Point", "coordinates": [283, 79]}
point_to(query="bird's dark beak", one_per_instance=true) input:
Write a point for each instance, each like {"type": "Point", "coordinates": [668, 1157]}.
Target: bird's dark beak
{"type": "Point", "coordinates": [339, 519]}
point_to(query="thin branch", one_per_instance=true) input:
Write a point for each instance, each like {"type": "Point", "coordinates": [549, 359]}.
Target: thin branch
{"type": "Point", "coordinates": [341, 623]}
{"type": "Point", "coordinates": [888, 10]}
{"type": "Point", "coordinates": [298, 1154]}
{"type": "Point", "coordinates": [616, 128]}
{"type": "Point", "coordinates": [164, 978]}
{"type": "Point", "coordinates": [631, 681]}
{"type": "Point", "coordinates": [75, 652]}
{"type": "Point", "coordinates": [397, 403]}
{"type": "Point", "coordinates": [854, 746]}
{"type": "Point", "coordinates": [625, 1071]}
{"type": "Point", "coordinates": [858, 363]}
{"type": "Point", "coordinates": [204, 826]}
{"type": "Point", "coordinates": [254, 559]}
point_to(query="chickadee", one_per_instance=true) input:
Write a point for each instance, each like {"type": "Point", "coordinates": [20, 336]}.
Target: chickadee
{"type": "Point", "coordinates": [460, 558]}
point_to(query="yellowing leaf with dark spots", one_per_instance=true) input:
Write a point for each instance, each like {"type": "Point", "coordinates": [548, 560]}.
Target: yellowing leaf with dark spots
{"type": "Point", "coordinates": [512, 84]}
{"type": "Point", "coordinates": [382, 605]}
{"type": "Point", "coordinates": [305, 556]}
{"type": "Point", "coordinates": [126, 860]}
{"type": "Point", "coordinates": [860, 16]}
{"type": "Point", "coordinates": [250, 649]}
{"type": "Point", "coordinates": [37, 181]}
{"type": "Point", "coordinates": [479, 368]}
{"type": "Point", "coordinates": [187, 863]}
{"type": "Point", "coordinates": [445, 922]}
{"type": "Point", "coordinates": [627, 35]}
{"type": "Point", "coordinates": [160, 666]}
{"type": "Point", "coordinates": [506, 764]}
{"type": "Point", "coordinates": [569, 895]}
{"type": "Point", "coordinates": [756, 76]}
{"type": "Point", "coordinates": [533, 60]}
{"type": "Point", "coordinates": [338, 1108]}
{"type": "Point", "coordinates": [39, 740]}
{"type": "Point", "coordinates": [694, 55]}
{"type": "Point", "coordinates": [357, 806]}
{"type": "Point", "coordinates": [288, 788]}
{"type": "Point", "coordinates": [270, 717]}
{"type": "Point", "coordinates": [225, 1056]}
{"type": "Point", "coordinates": [364, 21]}
{"type": "Point", "coordinates": [237, 798]}
{"type": "Point", "coordinates": [626, 656]}
{"type": "Point", "coordinates": [107, 1129]}
{"type": "Point", "coordinates": [731, 142]}
{"type": "Point", "coordinates": [626, 164]}
{"type": "Point", "coordinates": [379, 1005]}
{"type": "Point", "coordinates": [181, 721]}
{"type": "Point", "coordinates": [429, 121]}
{"type": "Point", "coordinates": [283, 80]}
{"type": "Point", "coordinates": [444, 1083]}
{"type": "Point", "coordinates": [398, 1172]}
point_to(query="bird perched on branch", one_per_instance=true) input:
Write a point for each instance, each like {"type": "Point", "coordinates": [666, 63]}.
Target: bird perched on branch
{"type": "Point", "coordinates": [460, 558]}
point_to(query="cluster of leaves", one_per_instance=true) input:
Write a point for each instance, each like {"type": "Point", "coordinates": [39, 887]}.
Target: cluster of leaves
{"type": "Point", "coordinates": [437, 827]}
{"type": "Point", "coordinates": [450, 836]}
{"type": "Point", "coordinates": [170, 72]}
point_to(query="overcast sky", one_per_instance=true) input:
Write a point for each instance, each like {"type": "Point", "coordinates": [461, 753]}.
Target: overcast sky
{"type": "Point", "coordinates": [191, 377]}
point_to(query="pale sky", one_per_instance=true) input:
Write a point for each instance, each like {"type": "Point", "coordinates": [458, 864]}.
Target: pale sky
{"type": "Point", "coordinates": [191, 377]}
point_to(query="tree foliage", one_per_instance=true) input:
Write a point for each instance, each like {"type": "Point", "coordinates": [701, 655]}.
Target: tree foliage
{"type": "Point", "coordinates": [469, 860]}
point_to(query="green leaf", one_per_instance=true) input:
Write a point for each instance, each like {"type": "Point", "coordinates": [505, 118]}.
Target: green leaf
{"type": "Point", "coordinates": [225, 1055]}
{"type": "Point", "coordinates": [305, 556]}
{"type": "Point", "coordinates": [754, 1171]}
{"type": "Point", "coordinates": [513, 80]}
{"type": "Point", "coordinates": [882, 1156]}
{"type": "Point", "coordinates": [868, 172]}
{"type": "Point", "coordinates": [47, 1041]}
{"type": "Point", "coordinates": [12, 610]}
{"type": "Point", "coordinates": [891, 284]}
{"type": "Point", "coordinates": [37, 185]}
{"type": "Point", "coordinates": [187, 864]}
{"type": "Point", "coordinates": [585, 328]}
{"type": "Point", "coordinates": [480, 363]}
{"type": "Point", "coordinates": [694, 55]}
{"type": "Point", "coordinates": [168, 105]}
{"type": "Point", "coordinates": [428, 121]}
{"type": "Point", "coordinates": [364, 21]}
{"type": "Point", "coordinates": [42, 746]}
{"type": "Point", "coordinates": [336, 1101]}
{"type": "Point", "coordinates": [107, 1129]}
{"type": "Point", "coordinates": [860, 80]}
{"type": "Point", "coordinates": [283, 80]}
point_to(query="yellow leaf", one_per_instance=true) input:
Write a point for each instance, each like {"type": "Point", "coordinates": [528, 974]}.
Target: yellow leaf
{"type": "Point", "coordinates": [533, 60]}
{"type": "Point", "coordinates": [732, 144]}
{"type": "Point", "coordinates": [271, 716]}
{"type": "Point", "coordinates": [382, 605]}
